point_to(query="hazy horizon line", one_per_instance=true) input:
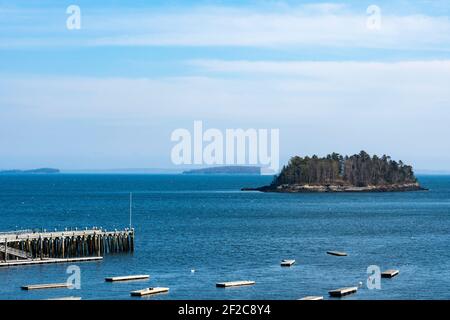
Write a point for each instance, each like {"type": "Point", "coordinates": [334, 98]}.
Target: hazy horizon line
{"type": "Point", "coordinates": [167, 170]}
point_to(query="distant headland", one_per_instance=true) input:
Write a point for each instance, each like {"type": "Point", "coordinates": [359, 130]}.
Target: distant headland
{"type": "Point", "coordinates": [337, 173]}
{"type": "Point", "coordinates": [226, 170]}
{"type": "Point", "coordinates": [32, 171]}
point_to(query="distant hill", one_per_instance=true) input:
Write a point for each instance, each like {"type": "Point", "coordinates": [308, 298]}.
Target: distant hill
{"type": "Point", "coordinates": [125, 171]}
{"type": "Point", "coordinates": [226, 170]}
{"type": "Point", "coordinates": [32, 171]}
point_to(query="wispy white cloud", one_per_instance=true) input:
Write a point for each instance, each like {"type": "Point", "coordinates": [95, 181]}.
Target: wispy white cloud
{"type": "Point", "coordinates": [278, 88]}
{"type": "Point", "coordinates": [319, 67]}
{"type": "Point", "coordinates": [292, 28]}
{"type": "Point", "coordinates": [392, 74]}
{"type": "Point", "coordinates": [309, 25]}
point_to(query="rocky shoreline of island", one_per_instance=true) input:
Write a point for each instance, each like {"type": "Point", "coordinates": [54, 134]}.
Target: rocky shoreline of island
{"type": "Point", "coordinates": [306, 188]}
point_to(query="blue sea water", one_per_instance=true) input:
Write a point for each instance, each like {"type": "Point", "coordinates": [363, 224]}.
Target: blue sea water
{"type": "Point", "coordinates": [186, 222]}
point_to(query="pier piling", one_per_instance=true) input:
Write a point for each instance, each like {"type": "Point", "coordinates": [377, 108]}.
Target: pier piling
{"type": "Point", "coordinates": [32, 246]}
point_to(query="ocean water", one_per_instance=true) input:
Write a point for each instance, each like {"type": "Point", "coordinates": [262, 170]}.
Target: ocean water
{"type": "Point", "coordinates": [186, 222]}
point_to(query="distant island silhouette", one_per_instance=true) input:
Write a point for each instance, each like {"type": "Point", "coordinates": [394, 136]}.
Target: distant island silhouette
{"type": "Point", "coordinates": [31, 171]}
{"type": "Point", "coordinates": [226, 170]}
{"type": "Point", "coordinates": [337, 173]}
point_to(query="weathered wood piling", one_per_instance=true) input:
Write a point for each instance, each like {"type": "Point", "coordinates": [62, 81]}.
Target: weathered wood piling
{"type": "Point", "coordinates": [29, 246]}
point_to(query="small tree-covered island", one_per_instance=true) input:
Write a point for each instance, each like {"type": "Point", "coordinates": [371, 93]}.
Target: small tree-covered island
{"type": "Point", "coordinates": [336, 173]}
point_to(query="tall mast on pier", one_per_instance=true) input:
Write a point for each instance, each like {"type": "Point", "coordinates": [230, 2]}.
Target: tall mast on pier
{"type": "Point", "coordinates": [131, 206]}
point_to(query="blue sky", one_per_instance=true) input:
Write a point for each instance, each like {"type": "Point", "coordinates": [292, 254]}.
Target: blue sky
{"type": "Point", "coordinates": [109, 95]}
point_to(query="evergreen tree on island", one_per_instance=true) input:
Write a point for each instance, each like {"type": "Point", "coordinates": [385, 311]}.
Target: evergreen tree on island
{"type": "Point", "coordinates": [337, 173]}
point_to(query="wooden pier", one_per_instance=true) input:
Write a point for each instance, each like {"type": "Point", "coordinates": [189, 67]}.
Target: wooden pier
{"type": "Point", "coordinates": [25, 248]}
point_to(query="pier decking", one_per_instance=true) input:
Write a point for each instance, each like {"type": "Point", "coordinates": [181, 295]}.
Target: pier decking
{"type": "Point", "coordinates": [28, 248]}
{"type": "Point", "coordinates": [312, 298]}
{"type": "Point", "coordinates": [234, 284]}
{"type": "Point", "coordinates": [148, 291]}
{"type": "Point", "coordinates": [128, 278]}
{"type": "Point", "coordinates": [46, 286]}
{"type": "Point", "coordinates": [287, 263]}
{"type": "Point", "coordinates": [343, 291]}
{"type": "Point", "coordinates": [337, 253]}
{"type": "Point", "coordinates": [65, 298]}
{"type": "Point", "coordinates": [16, 263]}
{"type": "Point", "coordinates": [389, 273]}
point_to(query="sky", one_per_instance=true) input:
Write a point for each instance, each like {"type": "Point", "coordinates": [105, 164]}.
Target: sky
{"type": "Point", "coordinates": [109, 95]}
